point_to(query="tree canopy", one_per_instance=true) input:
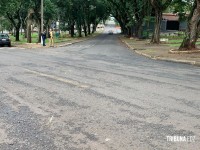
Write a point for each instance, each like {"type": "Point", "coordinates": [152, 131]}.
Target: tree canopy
{"type": "Point", "coordinates": [84, 15]}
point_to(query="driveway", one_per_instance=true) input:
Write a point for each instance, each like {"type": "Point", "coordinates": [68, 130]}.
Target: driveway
{"type": "Point", "coordinates": [96, 95]}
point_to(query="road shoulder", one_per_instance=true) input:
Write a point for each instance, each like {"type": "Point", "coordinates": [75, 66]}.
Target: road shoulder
{"type": "Point", "coordinates": [160, 52]}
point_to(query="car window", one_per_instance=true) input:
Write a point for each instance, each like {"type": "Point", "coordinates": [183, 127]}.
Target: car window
{"type": "Point", "coordinates": [3, 36]}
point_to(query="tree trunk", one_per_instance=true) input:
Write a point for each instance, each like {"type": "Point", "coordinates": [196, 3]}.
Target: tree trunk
{"type": "Point", "coordinates": [193, 29]}
{"type": "Point", "coordinates": [156, 34]}
{"type": "Point", "coordinates": [138, 33]}
{"type": "Point", "coordinates": [132, 31]}
{"type": "Point", "coordinates": [129, 31]}
{"type": "Point", "coordinates": [17, 33]}
{"type": "Point", "coordinates": [29, 40]}
{"type": "Point", "coordinates": [85, 29]}
{"type": "Point", "coordinates": [14, 32]}
{"type": "Point", "coordinates": [124, 30]}
{"type": "Point", "coordinates": [25, 32]}
{"type": "Point", "coordinates": [72, 30]}
{"type": "Point", "coordinates": [94, 28]}
{"type": "Point", "coordinates": [79, 31]}
{"type": "Point", "coordinates": [24, 27]}
{"type": "Point", "coordinates": [89, 30]}
{"type": "Point", "coordinates": [159, 6]}
{"type": "Point", "coordinates": [39, 32]}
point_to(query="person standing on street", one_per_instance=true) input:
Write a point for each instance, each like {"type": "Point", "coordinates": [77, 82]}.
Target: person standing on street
{"type": "Point", "coordinates": [51, 40]}
{"type": "Point", "coordinates": [44, 38]}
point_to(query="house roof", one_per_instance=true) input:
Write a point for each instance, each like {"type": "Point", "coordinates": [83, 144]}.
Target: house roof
{"type": "Point", "coordinates": [170, 17]}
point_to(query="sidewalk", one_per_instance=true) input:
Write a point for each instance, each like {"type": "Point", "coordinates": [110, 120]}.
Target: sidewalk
{"type": "Point", "coordinates": [39, 45]}
{"type": "Point", "coordinates": [161, 51]}
{"type": "Point", "coordinates": [61, 44]}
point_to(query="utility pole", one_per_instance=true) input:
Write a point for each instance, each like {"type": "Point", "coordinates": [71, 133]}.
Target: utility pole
{"type": "Point", "coordinates": [42, 16]}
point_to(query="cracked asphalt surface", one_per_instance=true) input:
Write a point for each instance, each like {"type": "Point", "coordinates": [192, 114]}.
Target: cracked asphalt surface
{"type": "Point", "coordinates": [96, 95]}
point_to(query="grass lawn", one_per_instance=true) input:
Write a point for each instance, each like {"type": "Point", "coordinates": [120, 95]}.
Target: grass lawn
{"type": "Point", "coordinates": [34, 36]}
{"type": "Point", "coordinates": [35, 39]}
{"type": "Point", "coordinates": [23, 40]}
{"type": "Point", "coordinates": [176, 41]}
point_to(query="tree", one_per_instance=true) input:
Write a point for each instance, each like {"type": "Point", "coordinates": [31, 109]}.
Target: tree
{"type": "Point", "coordinates": [159, 6]}
{"type": "Point", "coordinates": [140, 11]}
{"type": "Point", "coordinates": [11, 10]}
{"type": "Point", "coordinates": [129, 14]}
{"type": "Point", "coordinates": [67, 15]}
{"type": "Point", "coordinates": [81, 14]}
{"type": "Point", "coordinates": [193, 28]}
{"type": "Point", "coordinates": [119, 9]}
{"type": "Point", "coordinates": [50, 12]}
{"type": "Point", "coordinates": [29, 21]}
{"type": "Point", "coordinates": [5, 24]}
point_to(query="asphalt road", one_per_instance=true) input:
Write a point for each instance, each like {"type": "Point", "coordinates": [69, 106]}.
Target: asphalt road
{"type": "Point", "coordinates": [96, 95]}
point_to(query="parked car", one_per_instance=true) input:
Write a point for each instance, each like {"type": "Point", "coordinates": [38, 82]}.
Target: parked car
{"type": "Point", "coordinates": [110, 32]}
{"type": "Point", "coordinates": [5, 40]}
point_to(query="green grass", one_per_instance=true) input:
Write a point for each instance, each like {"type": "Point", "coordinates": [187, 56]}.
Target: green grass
{"type": "Point", "coordinates": [174, 41]}
{"type": "Point", "coordinates": [177, 42]}
{"type": "Point", "coordinates": [35, 39]}
{"type": "Point", "coordinates": [23, 40]}
{"type": "Point", "coordinates": [60, 40]}
{"type": "Point", "coordinates": [175, 45]}
{"type": "Point", "coordinates": [65, 38]}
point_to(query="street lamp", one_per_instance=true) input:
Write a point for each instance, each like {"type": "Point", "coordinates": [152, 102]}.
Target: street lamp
{"type": "Point", "coordinates": [42, 19]}
{"type": "Point", "coordinates": [42, 16]}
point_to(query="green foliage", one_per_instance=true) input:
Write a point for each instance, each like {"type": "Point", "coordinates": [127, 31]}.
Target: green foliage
{"type": "Point", "coordinates": [50, 12]}
{"type": "Point", "coordinates": [82, 14]}
{"type": "Point", "coordinates": [5, 24]}
{"type": "Point", "coordinates": [182, 7]}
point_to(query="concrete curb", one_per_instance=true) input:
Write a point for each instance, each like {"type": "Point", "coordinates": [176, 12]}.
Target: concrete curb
{"type": "Point", "coordinates": [172, 51]}
{"type": "Point", "coordinates": [63, 45]}
{"type": "Point", "coordinates": [161, 58]}
{"type": "Point", "coordinates": [74, 42]}
{"type": "Point", "coordinates": [67, 44]}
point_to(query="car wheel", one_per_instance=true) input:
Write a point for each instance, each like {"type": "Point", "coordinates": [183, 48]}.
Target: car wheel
{"type": "Point", "coordinates": [9, 45]}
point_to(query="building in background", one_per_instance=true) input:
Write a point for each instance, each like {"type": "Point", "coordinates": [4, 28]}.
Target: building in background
{"type": "Point", "coordinates": [171, 21]}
